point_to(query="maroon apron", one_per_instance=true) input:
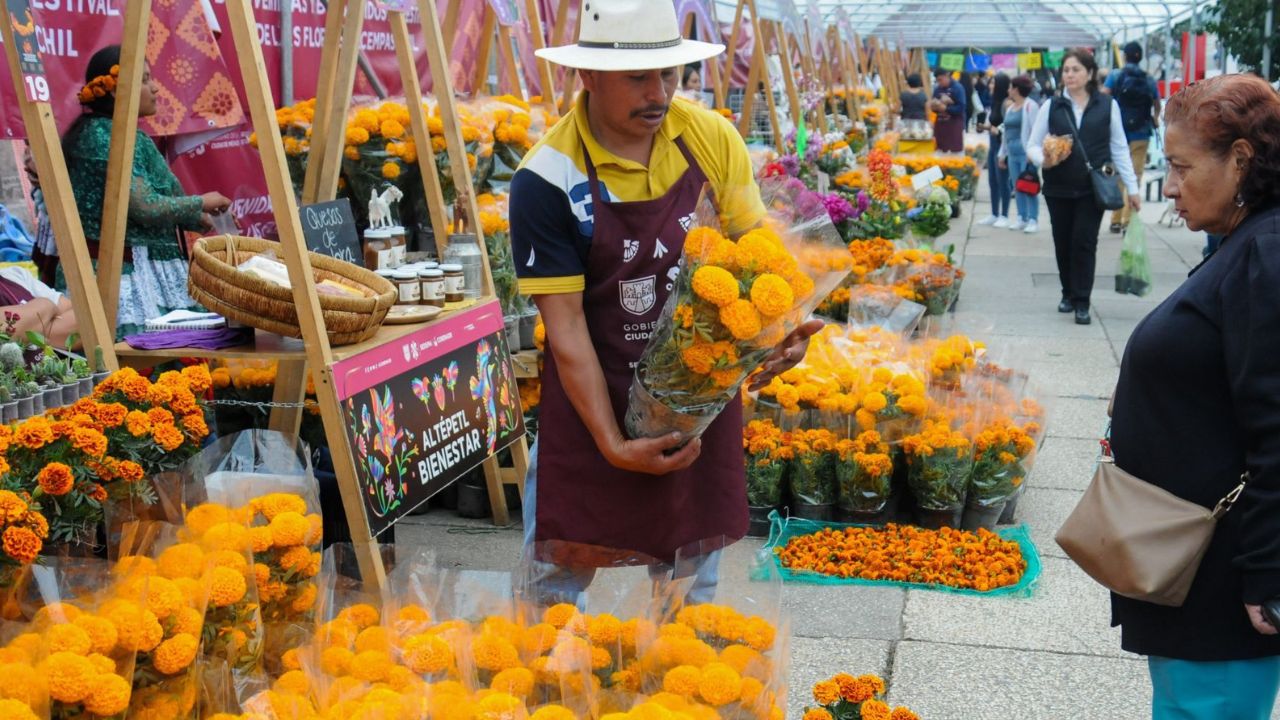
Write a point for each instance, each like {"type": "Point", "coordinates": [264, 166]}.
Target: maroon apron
{"type": "Point", "coordinates": [590, 513]}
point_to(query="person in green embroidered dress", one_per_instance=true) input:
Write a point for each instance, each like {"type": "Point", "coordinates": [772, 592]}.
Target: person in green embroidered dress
{"type": "Point", "coordinates": [154, 277]}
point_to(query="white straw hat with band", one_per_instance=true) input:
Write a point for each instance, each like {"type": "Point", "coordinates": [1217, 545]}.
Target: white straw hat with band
{"type": "Point", "coordinates": [629, 35]}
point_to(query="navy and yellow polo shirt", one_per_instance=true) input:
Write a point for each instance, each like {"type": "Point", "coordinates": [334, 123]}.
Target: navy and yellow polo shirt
{"type": "Point", "coordinates": [551, 214]}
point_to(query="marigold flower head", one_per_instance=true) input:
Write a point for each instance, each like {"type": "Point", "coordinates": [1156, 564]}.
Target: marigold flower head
{"type": "Point", "coordinates": [168, 437]}
{"type": "Point", "coordinates": [21, 544]}
{"type": "Point", "coordinates": [553, 712]}
{"type": "Point", "coordinates": [741, 319]}
{"type": "Point", "coordinates": [875, 710]}
{"type": "Point", "coordinates": [289, 528]}
{"type": "Point", "coordinates": [175, 654]}
{"type": "Point", "coordinates": [371, 665]}
{"type": "Point", "coordinates": [69, 676]}
{"type": "Point", "coordinates": [719, 684]}
{"type": "Point", "coordinates": [817, 714]}
{"type": "Point", "coordinates": [226, 587]}
{"type": "Point", "coordinates": [55, 479]}
{"type": "Point", "coordinates": [494, 653]}
{"type": "Point", "coordinates": [108, 695]}
{"type": "Point", "coordinates": [336, 661]}
{"type": "Point", "coordinates": [13, 709]}
{"type": "Point", "coordinates": [682, 680]}
{"type": "Point", "coordinates": [12, 507]}
{"type": "Point", "coordinates": [902, 713]}
{"type": "Point", "coordinates": [715, 285]}
{"type": "Point", "coordinates": [771, 295]}
{"type": "Point", "coordinates": [187, 620]}
{"type": "Point", "coordinates": [164, 597]}
{"type": "Point", "coordinates": [67, 637]}
{"type": "Point", "coordinates": [561, 615]}
{"type": "Point", "coordinates": [100, 631]}
{"type": "Point", "coordinates": [137, 423]}
{"type": "Point", "coordinates": [427, 654]}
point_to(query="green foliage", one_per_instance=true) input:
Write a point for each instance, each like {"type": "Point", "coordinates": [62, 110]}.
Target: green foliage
{"type": "Point", "coordinates": [1239, 26]}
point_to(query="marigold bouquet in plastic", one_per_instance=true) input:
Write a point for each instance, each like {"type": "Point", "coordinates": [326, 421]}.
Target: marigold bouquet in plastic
{"type": "Point", "coordinates": [762, 443]}
{"type": "Point", "coordinates": [812, 471]}
{"type": "Point", "coordinates": [1002, 454]}
{"type": "Point", "coordinates": [939, 462]}
{"type": "Point", "coordinates": [864, 473]}
{"type": "Point", "coordinates": [732, 303]}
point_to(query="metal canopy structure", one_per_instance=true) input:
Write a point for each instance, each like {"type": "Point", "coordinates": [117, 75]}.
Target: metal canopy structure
{"type": "Point", "coordinates": [983, 24]}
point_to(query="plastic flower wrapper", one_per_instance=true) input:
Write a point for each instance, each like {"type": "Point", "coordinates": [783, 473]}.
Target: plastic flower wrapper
{"type": "Point", "coordinates": [730, 656]}
{"type": "Point", "coordinates": [885, 307]}
{"type": "Point", "coordinates": [733, 302]}
{"type": "Point", "coordinates": [762, 442]}
{"type": "Point", "coordinates": [939, 459]}
{"type": "Point", "coordinates": [266, 477]}
{"type": "Point", "coordinates": [495, 223]}
{"type": "Point", "coordinates": [23, 531]}
{"type": "Point", "coordinates": [933, 280]}
{"type": "Point", "coordinates": [811, 473]}
{"type": "Point", "coordinates": [80, 645]}
{"type": "Point", "coordinates": [477, 138]}
{"type": "Point", "coordinates": [380, 152]}
{"type": "Point", "coordinates": [864, 473]}
{"type": "Point", "coordinates": [176, 576]}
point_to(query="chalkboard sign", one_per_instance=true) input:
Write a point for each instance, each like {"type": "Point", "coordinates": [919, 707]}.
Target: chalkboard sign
{"type": "Point", "coordinates": [330, 229]}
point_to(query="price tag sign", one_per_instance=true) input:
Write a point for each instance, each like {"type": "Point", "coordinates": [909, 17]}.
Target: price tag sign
{"type": "Point", "coordinates": [330, 229]}
{"type": "Point", "coordinates": [29, 61]}
{"type": "Point", "coordinates": [403, 6]}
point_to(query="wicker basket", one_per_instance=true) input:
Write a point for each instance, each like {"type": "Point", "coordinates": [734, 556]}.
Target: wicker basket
{"type": "Point", "coordinates": [215, 283]}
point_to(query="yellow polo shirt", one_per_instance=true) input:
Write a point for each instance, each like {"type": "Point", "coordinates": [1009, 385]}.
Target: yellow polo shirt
{"type": "Point", "coordinates": [552, 220]}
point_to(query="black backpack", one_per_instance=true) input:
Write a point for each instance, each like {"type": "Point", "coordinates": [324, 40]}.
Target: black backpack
{"type": "Point", "coordinates": [1133, 94]}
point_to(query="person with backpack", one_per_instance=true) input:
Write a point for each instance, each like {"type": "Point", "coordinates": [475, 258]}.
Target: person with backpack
{"type": "Point", "coordinates": [1139, 99]}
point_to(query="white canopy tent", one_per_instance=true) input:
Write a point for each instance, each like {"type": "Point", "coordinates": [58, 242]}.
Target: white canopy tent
{"type": "Point", "coordinates": [981, 24]}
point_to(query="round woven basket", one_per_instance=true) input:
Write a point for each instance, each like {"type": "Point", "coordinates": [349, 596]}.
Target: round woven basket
{"type": "Point", "coordinates": [215, 283]}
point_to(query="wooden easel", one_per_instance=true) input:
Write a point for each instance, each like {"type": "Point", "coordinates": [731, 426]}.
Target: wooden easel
{"type": "Point", "coordinates": [759, 72]}
{"type": "Point", "coordinates": [55, 182]}
{"type": "Point", "coordinates": [494, 33]}
{"type": "Point", "coordinates": [711, 67]}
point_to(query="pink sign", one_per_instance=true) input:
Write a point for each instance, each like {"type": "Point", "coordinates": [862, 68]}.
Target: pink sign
{"type": "Point", "coordinates": [1006, 62]}
{"type": "Point", "coordinates": [379, 365]}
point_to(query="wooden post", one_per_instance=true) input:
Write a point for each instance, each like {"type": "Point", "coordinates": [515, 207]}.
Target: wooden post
{"type": "Point", "coordinates": [124, 136]}
{"type": "Point", "coordinates": [418, 126]}
{"type": "Point", "coordinates": [508, 58]}
{"type": "Point", "coordinates": [68, 233]}
{"type": "Point", "coordinates": [319, 355]}
{"type": "Point", "coordinates": [784, 51]}
{"type": "Point", "coordinates": [533, 17]}
{"type": "Point", "coordinates": [480, 73]}
{"type": "Point", "coordinates": [324, 90]}
{"type": "Point", "coordinates": [732, 48]}
{"type": "Point", "coordinates": [339, 101]}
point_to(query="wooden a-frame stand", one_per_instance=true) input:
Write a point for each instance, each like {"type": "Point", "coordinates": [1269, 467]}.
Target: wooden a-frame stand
{"type": "Point", "coordinates": [345, 19]}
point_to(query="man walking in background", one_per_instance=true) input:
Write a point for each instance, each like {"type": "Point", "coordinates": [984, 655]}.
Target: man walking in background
{"type": "Point", "coordinates": [1139, 101]}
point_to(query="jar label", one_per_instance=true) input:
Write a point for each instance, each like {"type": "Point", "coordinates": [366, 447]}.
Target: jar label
{"type": "Point", "coordinates": [454, 283]}
{"type": "Point", "coordinates": [384, 260]}
{"type": "Point", "coordinates": [410, 292]}
{"type": "Point", "coordinates": [432, 289]}
{"type": "Point", "coordinates": [398, 255]}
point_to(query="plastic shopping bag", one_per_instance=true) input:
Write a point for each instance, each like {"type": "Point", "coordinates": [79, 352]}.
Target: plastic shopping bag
{"type": "Point", "coordinates": [1133, 275]}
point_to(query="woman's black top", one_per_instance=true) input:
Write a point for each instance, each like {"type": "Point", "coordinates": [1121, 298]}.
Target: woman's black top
{"type": "Point", "coordinates": [1198, 403]}
{"type": "Point", "coordinates": [913, 104]}
{"type": "Point", "coordinates": [1070, 178]}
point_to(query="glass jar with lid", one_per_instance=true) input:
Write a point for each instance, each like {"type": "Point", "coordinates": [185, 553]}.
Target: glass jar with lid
{"type": "Point", "coordinates": [378, 254]}
{"type": "Point", "coordinates": [432, 281]}
{"type": "Point", "coordinates": [408, 288]}
{"type": "Point", "coordinates": [464, 250]}
{"type": "Point", "coordinates": [454, 282]}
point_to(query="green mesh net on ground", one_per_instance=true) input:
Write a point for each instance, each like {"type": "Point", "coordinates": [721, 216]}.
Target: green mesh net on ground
{"type": "Point", "coordinates": [783, 530]}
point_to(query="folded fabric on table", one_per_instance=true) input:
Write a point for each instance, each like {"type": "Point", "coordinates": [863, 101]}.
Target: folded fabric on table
{"type": "Point", "coordinates": [204, 339]}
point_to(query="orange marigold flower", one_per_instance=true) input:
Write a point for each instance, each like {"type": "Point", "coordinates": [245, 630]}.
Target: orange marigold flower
{"type": "Point", "coordinates": [715, 285]}
{"type": "Point", "coordinates": [826, 692]}
{"type": "Point", "coordinates": [198, 378]}
{"type": "Point", "coordinates": [90, 442]}
{"type": "Point", "coordinates": [741, 319]}
{"type": "Point", "coordinates": [34, 433]}
{"type": "Point", "coordinates": [875, 710]}
{"type": "Point", "coordinates": [55, 479]}
{"type": "Point", "coordinates": [175, 654]}
{"type": "Point", "coordinates": [817, 714]}
{"type": "Point", "coordinates": [226, 587]}
{"type": "Point", "coordinates": [137, 423]}
{"type": "Point", "coordinates": [12, 507]}
{"type": "Point", "coordinates": [168, 437]}
{"type": "Point", "coordinates": [69, 676]}
{"type": "Point", "coordinates": [130, 471]}
{"type": "Point", "coordinates": [108, 695]}
{"type": "Point", "coordinates": [110, 414]}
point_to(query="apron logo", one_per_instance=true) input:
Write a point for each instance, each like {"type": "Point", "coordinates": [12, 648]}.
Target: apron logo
{"type": "Point", "coordinates": [629, 249]}
{"type": "Point", "coordinates": [638, 296]}
{"type": "Point", "coordinates": [660, 250]}
{"type": "Point", "coordinates": [686, 222]}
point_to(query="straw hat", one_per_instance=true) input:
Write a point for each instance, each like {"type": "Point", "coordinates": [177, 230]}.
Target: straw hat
{"type": "Point", "coordinates": [629, 35]}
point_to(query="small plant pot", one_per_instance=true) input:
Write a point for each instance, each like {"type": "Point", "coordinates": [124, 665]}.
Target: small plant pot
{"type": "Point", "coordinates": [513, 333]}
{"type": "Point", "coordinates": [9, 412]}
{"type": "Point", "coordinates": [938, 519]}
{"type": "Point", "coordinates": [52, 398]}
{"type": "Point", "coordinates": [758, 523]}
{"type": "Point", "coordinates": [37, 403]}
{"type": "Point", "coordinates": [86, 386]}
{"type": "Point", "coordinates": [70, 393]}
{"type": "Point", "coordinates": [955, 210]}
{"type": "Point", "coordinates": [99, 377]}
{"type": "Point", "coordinates": [26, 407]}
{"type": "Point", "coordinates": [882, 516]}
{"type": "Point", "coordinates": [981, 517]}
{"type": "Point", "coordinates": [821, 513]}
{"type": "Point", "coordinates": [1010, 514]}
{"type": "Point", "coordinates": [473, 500]}
{"type": "Point", "coordinates": [528, 323]}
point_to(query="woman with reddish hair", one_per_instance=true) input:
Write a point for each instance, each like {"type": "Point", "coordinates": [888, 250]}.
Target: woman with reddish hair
{"type": "Point", "coordinates": [1198, 404]}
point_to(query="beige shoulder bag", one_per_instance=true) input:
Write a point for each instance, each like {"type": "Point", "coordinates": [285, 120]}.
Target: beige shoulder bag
{"type": "Point", "coordinates": [1138, 540]}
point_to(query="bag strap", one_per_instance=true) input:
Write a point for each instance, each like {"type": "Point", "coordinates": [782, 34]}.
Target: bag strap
{"type": "Point", "coordinates": [1230, 499]}
{"type": "Point", "coordinates": [1071, 122]}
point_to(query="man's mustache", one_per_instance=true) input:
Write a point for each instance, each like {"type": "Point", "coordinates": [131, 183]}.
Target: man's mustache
{"type": "Point", "coordinates": [650, 109]}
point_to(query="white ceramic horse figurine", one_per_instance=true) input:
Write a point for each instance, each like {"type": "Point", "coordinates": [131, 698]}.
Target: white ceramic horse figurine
{"type": "Point", "coordinates": [380, 206]}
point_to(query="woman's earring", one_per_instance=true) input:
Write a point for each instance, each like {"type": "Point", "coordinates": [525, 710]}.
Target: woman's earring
{"type": "Point", "coordinates": [1239, 200]}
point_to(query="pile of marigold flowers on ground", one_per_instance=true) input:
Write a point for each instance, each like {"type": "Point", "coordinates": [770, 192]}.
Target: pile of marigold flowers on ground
{"type": "Point", "coordinates": [845, 697]}
{"type": "Point", "coordinates": [980, 560]}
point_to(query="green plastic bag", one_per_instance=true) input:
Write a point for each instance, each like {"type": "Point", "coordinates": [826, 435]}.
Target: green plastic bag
{"type": "Point", "coordinates": [1133, 275]}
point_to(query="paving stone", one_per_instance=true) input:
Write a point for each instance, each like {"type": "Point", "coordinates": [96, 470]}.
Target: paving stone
{"type": "Point", "coordinates": [1067, 613]}
{"type": "Point", "coordinates": [1044, 510]}
{"type": "Point", "coordinates": [1077, 418]}
{"type": "Point", "coordinates": [814, 660]}
{"type": "Point", "coordinates": [1072, 380]}
{"type": "Point", "coordinates": [1064, 464]}
{"type": "Point", "coordinates": [956, 682]}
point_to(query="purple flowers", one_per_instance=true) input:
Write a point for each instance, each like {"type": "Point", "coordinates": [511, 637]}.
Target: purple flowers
{"type": "Point", "coordinates": [838, 208]}
{"type": "Point", "coordinates": [791, 164]}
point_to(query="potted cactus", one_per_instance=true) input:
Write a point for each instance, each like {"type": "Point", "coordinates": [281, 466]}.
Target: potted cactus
{"type": "Point", "coordinates": [23, 394]}
{"type": "Point", "coordinates": [11, 357]}
{"type": "Point", "coordinates": [36, 393]}
{"type": "Point", "coordinates": [8, 405]}
{"type": "Point", "coordinates": [68, 382]}
{"type": "Point", "coordinates": [100, 371]}
{"type": "Point", "coordinates": [84, 376]}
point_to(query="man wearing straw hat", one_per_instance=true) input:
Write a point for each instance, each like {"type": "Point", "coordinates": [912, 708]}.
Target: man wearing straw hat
{"type": "Point", "coordinates": [599, 211]}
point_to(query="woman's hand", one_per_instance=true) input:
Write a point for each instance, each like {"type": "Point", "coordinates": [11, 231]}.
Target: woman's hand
{"type": "Point", "coordinates": [787, 354]}
{"type": "Point", "coordinates": [214, 203]}
{"type": "Point", "coordinates": [1260, 622]}
{"type": "Point", "coordinates": [1003, 163]}
{"type": "Point", "coordinates": [1135, 202]}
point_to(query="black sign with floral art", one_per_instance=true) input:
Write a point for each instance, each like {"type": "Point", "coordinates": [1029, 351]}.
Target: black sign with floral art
{"type": "Point", "coordinates": [415, 432]}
